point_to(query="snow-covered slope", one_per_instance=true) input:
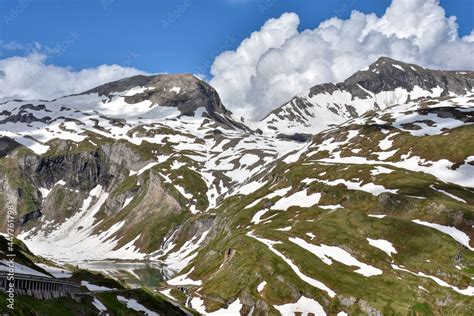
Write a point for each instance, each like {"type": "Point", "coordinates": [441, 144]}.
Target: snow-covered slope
{"type": "Point", "coordinates": [403, 138]}
{"type": "Point", "coordinates": [384, 83]}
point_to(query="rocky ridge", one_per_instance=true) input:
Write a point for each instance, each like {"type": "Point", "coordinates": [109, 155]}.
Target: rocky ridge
{"type": "Point", "coordinates": [384, 83]}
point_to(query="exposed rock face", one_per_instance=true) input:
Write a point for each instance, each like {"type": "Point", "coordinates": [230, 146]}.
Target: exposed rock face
{"type": "Point", "coordinates": [54, 189]}
{"type": "Point", "coordinates": [84, 171]}
{"type": "Point", "coordinates": [298, 137]}
{"type": "Point", "coordinates": [7, 145]}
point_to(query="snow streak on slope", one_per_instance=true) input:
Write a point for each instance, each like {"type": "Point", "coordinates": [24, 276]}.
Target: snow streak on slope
{"type": "Point", "coordinates": [73, 240]}
{"type": "Point", "coordinates": [457, 235]}
{"type": "Point", "coordinates": [326, 253]}
{"type": "Point", "coordinates": [469, 291]}
{"type": "Point", "coordinates": [133, 304]}
{"type": "Point", "coordinates": [232, 309]}
{"type": "Point", "coordinates": [294, 267]}
{"type": "Point", "coordinates": [301, 199]}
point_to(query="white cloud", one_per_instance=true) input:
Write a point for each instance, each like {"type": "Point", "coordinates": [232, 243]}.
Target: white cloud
{"type": "Point", "coordinates": [277, 61]}
{"type": "Point", "coordinates": [233, 69]}
{"type": "Point", "coordinates": [30, 77]}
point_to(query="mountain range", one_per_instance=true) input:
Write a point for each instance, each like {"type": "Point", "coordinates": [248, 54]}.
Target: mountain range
{"type": "Point", "coordinates": [350, 198]}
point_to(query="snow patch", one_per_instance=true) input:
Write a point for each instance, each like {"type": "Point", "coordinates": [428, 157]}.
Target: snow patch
{"type": "Point", "coordinates": [261, 286]}
{"type": "Point", "coordinates": [384, 245]}
{"type": "Point", "coordinates": [301, 199]}
{"type": "Point", "coordinates": [304, 306]}
{"type": "Point", "coordinates": [460, 236]}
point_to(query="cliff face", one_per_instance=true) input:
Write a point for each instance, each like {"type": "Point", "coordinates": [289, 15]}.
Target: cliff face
{"type": "Point", "coordinates": [58, 191]}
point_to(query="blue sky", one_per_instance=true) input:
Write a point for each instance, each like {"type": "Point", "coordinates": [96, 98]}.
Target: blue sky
{"type": "Point", "coordinates": [164, 35]}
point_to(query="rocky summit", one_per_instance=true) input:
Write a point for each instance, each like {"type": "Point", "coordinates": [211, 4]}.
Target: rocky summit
{"type": "Point", "coordinates": [351, 198]}
{"type": "Point", "coordinates": [384, 83]}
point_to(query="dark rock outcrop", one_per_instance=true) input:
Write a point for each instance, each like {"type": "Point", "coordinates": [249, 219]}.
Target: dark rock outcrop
{"type": "Point", "coordinates": [185, 92]}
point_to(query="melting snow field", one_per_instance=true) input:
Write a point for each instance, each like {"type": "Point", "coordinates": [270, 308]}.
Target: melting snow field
{"type": "Point", "coordinates": [73, 240]}
{"type": "Point", "coordinates": [180, 258]}
{"type": "Point", "coordinates": [372, 188]}
{"type": "Point", "coordinates": [257, 217]}
{"type": "Point", "coordinates": [98, 304]}
{"type": "Point", "coordinates": [330, 109]}
{"type": "Point", "coordinates": [380, 170]}
{"type": "Point", "coordinates": [330, 207]}
{"type": "Point", "coordinates": [184, 280]}
{"type": "Point", "coordinates": [469, 291]}
{"type": "Point", "coordinates": [425, 129]}
{"type": "Point", "coordinates": [406, 115]}
{"type": "Point", "coordinates": [95, 288]}
{"type": "Point", "coordinates": [463, 175]}
{"type": "Point", "coordinates": [304, 306]}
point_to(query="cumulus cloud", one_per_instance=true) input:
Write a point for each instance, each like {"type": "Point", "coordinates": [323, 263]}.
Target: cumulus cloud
{"type": "Point", "coordinates": [30, 77]}
{"type": "Point", "coordinates": [277, 61]}
{"type": "Point", "coordinates": [232, 70]}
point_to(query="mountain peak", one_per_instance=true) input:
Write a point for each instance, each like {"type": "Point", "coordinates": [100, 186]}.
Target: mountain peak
{"type": "Point", "coordinates": [185, 92]}
{"type": "Point", "coordinates": [386, 65]}
{"type": "Point", "coordinates": [388, 60]}
{"type": "Point", "coordinates": [384, 83]}
{"type": "Point", "coordinates": [387, 74]}
{"type": "Point", "coordinates": [142, 81]}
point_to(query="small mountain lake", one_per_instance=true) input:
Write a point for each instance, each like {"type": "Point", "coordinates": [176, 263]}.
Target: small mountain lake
{"type": "Point", "coordinates": [134, 273]}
